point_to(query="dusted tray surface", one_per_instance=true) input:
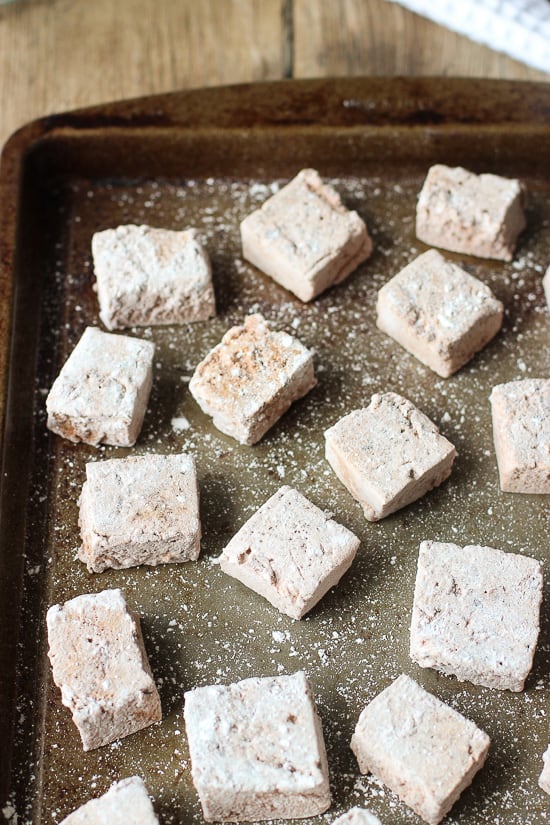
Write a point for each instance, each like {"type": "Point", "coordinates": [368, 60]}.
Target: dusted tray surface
{"type": "Point", "coordinates": [201, 626]}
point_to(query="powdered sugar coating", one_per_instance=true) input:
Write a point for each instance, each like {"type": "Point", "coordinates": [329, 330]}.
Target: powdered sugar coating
{"type": "Point", "coordinates": [147, 276]}
{"type": "Point", "coordinates": [476, 613]}
{"type": "Point", "coordinates": [544, 778]}
{"type": "Point", "coordinates": [357, 640]}
{"type": "Point", "coordinates": [139, 510]}
{"type": "Point", "coordinates": [388, 454]}
{"type": "Point", "coordinates": [357, 816]}
{"type": "Point", "coordinates": [101, 393]}
{"type": "Point", "coordinates": [477, 214]}
{"type": "Point", "coordinates": [257, 749]}
{"type": "Point", "coordinates": [521, 433]}
{"type": "Point", "coordinates": [251, 378]}
{"type": "Point", "coordinates": [304, 237]}
{"type": "Point", "coordinates": [438, 312]}
{"type": "Point", "coordinates": [290, 552]}
{"type": "Point", "coordinates": [424, 750]}
{"type": "Point", "coordinates": [125, 802]}
{"type": "Point", "coordinates": [99, 662]}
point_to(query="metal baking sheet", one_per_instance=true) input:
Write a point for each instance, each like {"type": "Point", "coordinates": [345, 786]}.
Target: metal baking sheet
{"type": "Point", "coordinates": [205, 159]}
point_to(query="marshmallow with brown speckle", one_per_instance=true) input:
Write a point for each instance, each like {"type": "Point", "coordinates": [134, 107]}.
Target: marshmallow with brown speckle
{"type": "Point", "coordinates": [99, 662]}
{"type": "Point", "coordinates": [290, 552]}
{"type": "Point", "coordinates": [147, 276]}
{"type": "Point", "coordinates": [476, 613]}
{"type": "Point", "coordinates": [139, 510]}
{"type": "Point", "coordinates": [438, 312]}
{"type": "Point", "coordinates": [249, 380]}
{"type": "Point", "coordinates": [102, 390]}
{"type": "Point", "coordinates": [125, 802]}
{"type": "Point", "coordinates": [304, 237]}
{"type": "Point", "coordinates": [521, 433]}
{"type": "Point", "coordinates": [257, 750]}
{"type": "Point", "coordinates": [478, 215]}
{"type": "Point", "coordinates": [423, 750]}
{"type": "Point", "coordinates": [388, 454]}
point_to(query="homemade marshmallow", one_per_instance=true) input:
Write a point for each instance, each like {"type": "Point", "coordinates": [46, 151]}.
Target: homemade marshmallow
{"type": "Point", "coordinates": [438, 312]}
{"type": "Point", "coordinates": [544, 778]}
{"type": "Point", "coordinates": [476, 214]}
{"type": "Point", "coordinates": [476, 613]}
{"type": "Point", "coordinates": [521, 433]}
{"type": "Point", "coordinates": [388, 454]}
{"type": "Point", "coordinates": [257, 750]}
{"type": "Point", "coordinates": [290, 552]}
{"type": "Point", "coordinates": [99, 662]}
{"type": "Point", "coordinates": [139, 510]}
{"type": "Point", "coordinates": [357, 816]}
{"type": "Point", "coordinates": [304, 237]}
{"type": "Point", "coordinates": [125, 803]}
{"type": "Point", "coordinates": [251, 378]}
{"type": "Point", "coordinates": [101, 393]}
{"type": "Point", "coordinates": [148, 276]}
{"type": "Point", "coordinates": [418, 746]}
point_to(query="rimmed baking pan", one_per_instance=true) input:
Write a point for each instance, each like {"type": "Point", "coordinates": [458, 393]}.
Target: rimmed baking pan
{"type": "Point", "coordinates": [206, 158]}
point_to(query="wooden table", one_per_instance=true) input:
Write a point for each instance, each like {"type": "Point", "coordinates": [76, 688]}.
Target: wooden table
{"type": "Point", "coordinates": [61, 54]}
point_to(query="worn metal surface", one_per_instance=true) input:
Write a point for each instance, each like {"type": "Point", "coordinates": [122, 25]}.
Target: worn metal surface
{"type": "Point", "coordinates": [205, 159]}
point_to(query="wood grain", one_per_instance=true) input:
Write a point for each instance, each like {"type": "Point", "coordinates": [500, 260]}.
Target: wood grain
{"type": "Point", "coordinates": [375, 37]}
{"type": "Point", "coordinates": [61, 54]}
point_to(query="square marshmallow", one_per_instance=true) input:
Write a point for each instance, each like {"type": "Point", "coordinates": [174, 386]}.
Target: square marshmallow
{"type": "Point", "coordinates": [101, 393]}
{"type": "Point", "coordinates": [438, 312]}
{"type": "Point", "coordinates": [251, 378]}
{"type": "Point", "coordinates": [290, 552]}
{"type": "Point", "coordinates": [149, 276]}
{"type": "Point", "coordinates": [476, 613]}
{"type": "Point", "coordinates": [388, 454]}
{"type": "Point", "coordinates": [544, 778]}
{"type": "Point", "coordinates": [521, 432]}
{"type": "Point", "coordinates": [357, 816]}
{"type": "Point", "coordinates": [422, 749]}
{"type": "Point", "coordinates": [139, 510]}
{"type": "Point", "coordinates": [304, 237]}
{"type": "Point", "coordinates": [257, 750]}
{"type": "Point", "coordinates": [476, 214]}
{"type": "Point", "coordinates": [126, 802]}
{"type": "Point", "coordinates": [99, 662]}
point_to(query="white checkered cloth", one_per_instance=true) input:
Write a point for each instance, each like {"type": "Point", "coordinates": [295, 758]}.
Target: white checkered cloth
{"type": "Point", "coordinates": [520, 28]}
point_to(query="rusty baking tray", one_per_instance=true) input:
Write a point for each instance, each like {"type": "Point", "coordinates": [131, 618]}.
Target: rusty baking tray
{"type": "Point", "coordinates": [206, 158]}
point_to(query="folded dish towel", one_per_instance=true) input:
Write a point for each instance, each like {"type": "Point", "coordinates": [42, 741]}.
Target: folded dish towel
{"type": "Point", "coordinates": [520, 28]}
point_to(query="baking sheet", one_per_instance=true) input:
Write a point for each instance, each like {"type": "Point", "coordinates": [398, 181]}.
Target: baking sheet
{"type": "Point", "coordinates": [165, 162]}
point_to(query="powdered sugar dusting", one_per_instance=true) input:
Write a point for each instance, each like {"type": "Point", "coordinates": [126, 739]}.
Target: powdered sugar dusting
{"type": "Point", "coordinates": [202, 627]}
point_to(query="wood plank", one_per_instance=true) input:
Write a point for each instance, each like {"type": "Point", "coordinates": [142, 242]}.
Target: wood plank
{"type": "Point", "coordinates": [68, 53]}
{"type": "Point", "coordinates": [375, 37]}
